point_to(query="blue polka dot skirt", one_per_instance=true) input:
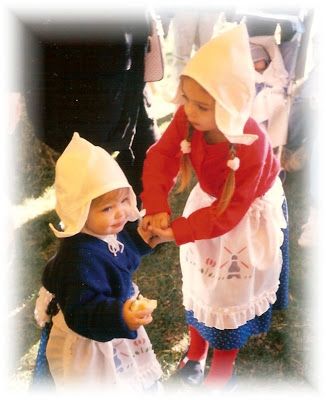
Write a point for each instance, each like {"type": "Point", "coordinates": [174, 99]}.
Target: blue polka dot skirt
{"type": "Point", "coordinates": [228, 339]}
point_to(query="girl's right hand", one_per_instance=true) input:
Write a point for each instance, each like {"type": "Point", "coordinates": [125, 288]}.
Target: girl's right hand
{"type": "Point", "coordinates": [135, 319]}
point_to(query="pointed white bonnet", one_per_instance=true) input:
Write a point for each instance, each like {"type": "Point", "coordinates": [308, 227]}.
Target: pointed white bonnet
{"type": "Point", "coordinates": [84, 172]}
{"type": "Point", "coordinates": [224, 68]}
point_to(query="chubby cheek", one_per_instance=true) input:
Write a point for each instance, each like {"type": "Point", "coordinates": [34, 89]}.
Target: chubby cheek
{"type": "Point", "coordinates": [98, 222]}
{"type": "Point", "coordinates": [128, 210]}
{"type": "Point", "coordinates": [107, 221]}
{"type": "Point", "coordinates": [92, 225]}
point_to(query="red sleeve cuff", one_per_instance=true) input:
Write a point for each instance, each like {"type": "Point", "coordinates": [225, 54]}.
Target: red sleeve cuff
{"type": "Point", "coordinates": [182, 231]}
{"type": "Point", "coordinates": [155, 206]}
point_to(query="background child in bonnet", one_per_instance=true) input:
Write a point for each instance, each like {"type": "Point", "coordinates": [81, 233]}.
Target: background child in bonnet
{"type": "Point", "coordinates": [232, 235]}
{"type": "Point", "coordinates": [95, 338]}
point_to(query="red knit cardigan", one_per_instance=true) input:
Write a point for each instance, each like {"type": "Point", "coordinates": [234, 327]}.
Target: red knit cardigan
{"type": "Point", "coordinates": [256, 174]}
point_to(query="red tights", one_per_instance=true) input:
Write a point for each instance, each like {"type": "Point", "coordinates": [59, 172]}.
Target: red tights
{"type": "Point", "coordinates": [198, 347]}
{"type": "Point", "coordinates": [221, 368]}
{"type": "Point", "coordinates": [222, 363]}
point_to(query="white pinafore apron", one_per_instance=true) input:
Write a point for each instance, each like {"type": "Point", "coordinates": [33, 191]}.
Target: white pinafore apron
{"type": "Point", "coordinates": [121, 364]}
{"type": "Point", "coordinates": [230, 279]}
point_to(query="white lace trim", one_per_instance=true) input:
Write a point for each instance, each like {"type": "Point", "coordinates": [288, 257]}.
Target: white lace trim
{"type": "Point", "coordinates": [149, 374]}
{"type": "Point", "coordinates": [231, 317]}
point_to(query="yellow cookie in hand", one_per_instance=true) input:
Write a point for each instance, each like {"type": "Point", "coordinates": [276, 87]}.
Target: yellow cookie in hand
{"type": "Point", "coordinates": [141, 303]}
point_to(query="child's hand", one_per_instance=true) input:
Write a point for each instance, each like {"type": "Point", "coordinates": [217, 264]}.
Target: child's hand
{"type": "Point", "coordinates": [145, 235]}
{"type": "Point", "coordinates": [160, 220]}
{"type": "Point", "coordinates": [151, 238]}
{"type": "Point", "coordinates": [135, 319]}
{"type": "Point", "coordinates": [161, 235]}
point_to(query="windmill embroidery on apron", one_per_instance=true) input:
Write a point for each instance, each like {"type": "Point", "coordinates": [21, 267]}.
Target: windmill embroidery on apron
{"type": "Point", "coordinates": [234, 267]}
{"type": "Point", "coordinates": [237, 268]}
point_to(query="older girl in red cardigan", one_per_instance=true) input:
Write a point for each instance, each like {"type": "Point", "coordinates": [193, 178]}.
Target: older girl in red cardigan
{"type": "Point", "coordinates": [233, 231]}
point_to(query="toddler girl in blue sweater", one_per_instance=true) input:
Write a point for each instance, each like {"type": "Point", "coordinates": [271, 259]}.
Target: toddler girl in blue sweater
{"type": "Point", "coordinates": [96, 336]}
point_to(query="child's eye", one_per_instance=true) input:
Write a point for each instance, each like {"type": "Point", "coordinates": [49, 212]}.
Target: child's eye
{"type": "Point", "coordinates": [202, 108]}
{"type": "Point", "coordinates": [125, 200]}
{"type": "Point", "coordinates": [107, 209]}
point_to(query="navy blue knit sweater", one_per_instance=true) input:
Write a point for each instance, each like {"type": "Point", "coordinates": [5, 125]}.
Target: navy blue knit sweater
{"type": "Point", "coordinates": [90, 284]}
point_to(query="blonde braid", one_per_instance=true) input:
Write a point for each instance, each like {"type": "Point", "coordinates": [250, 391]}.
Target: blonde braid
{"type": "Point", "coordinates": [228, 188]}
{"type": "Point", "coordinates": [185, 171]}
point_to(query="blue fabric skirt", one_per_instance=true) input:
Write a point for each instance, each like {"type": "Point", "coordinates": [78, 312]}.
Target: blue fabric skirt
{"type": "Point", "coordinates": [41, 375]}
{"type": "Point", "coordinates": [228, 339]}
